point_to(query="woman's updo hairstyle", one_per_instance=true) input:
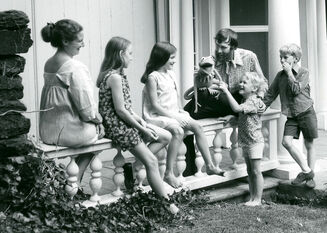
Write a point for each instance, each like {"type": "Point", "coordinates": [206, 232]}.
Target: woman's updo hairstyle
{"type": "Point", "coordinates": [65, 29]}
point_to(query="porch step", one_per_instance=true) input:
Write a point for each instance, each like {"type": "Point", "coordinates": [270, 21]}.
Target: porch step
{"type": "Point", "coordinates": [238, 190]}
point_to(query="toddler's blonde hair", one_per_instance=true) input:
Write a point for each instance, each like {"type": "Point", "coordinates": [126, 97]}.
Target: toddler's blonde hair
{"type": "Point", "coordinates": [256, 81]}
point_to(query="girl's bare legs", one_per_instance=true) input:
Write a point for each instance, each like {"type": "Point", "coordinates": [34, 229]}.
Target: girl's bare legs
{"type": "Point", "coordinates": [82, 162]}
{"type": "Point", "coordinates": [202, 144]}
{"type": "Point", "coordinates": [250, 178]}
{"type": "Point", "coordinates": [143, 153]}
{"type": "Point", "coordinates": [164, 137]}
{"type": "Point", "coordinates": [257, 181]}
{"type": "Point", "coordinates": [174, 145]}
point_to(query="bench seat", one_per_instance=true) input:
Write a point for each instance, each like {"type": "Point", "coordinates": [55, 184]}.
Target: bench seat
{"type": "Point", "coordinates": [53, 151]}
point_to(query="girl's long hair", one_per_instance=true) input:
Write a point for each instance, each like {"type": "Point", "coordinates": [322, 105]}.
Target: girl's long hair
{"type": "Point", "coordinates": [160, 54]}
{"type": "Point", "coordinates": [112, 58]}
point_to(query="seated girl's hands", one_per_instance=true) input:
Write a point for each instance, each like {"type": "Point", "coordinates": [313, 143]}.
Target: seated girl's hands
{"type": "Point", "coordinates": [98, 119]}
{"type": "Point", "coordinates": [143, 122]}
{"type": "Point", "coordinates": [100, 131]}
{"type": "Point", "coordinates": [149, 134]}
{"type": "Point", "coordinates": [182, 120]}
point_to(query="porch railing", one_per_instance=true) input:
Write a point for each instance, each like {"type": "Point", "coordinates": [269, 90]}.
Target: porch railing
{"type": "Point", "coordinates": [214, 131]}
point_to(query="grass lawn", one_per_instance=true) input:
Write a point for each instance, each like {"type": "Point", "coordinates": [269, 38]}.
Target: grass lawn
{"type": "Point", "coordinates": [271, 217]}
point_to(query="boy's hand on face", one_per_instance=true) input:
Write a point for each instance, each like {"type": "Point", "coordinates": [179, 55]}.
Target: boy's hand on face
{"type": "Point", "coordinates": [287, 67]}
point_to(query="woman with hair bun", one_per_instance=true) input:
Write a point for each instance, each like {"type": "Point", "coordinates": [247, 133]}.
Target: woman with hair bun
{"type": "Point", "coordinates": [71, 118]}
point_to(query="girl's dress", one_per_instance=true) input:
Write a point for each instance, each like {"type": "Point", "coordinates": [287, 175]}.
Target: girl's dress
{"type": "Point", "coordinates": [116, 129]}
{"type": "Point", "coordinates": [249, 122]}
{"type": "Point", "coordinates": [68, 94]}
{"type": "Point", "coordinates": [167, 96]}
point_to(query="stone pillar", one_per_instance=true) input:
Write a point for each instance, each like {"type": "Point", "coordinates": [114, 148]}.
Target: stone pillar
{"type": "Point", "coordinates": [15, 38]}
{"type": "Point", "coordinates": [321, 105]}
{"type": "Point", "coordinates": [284, 28]}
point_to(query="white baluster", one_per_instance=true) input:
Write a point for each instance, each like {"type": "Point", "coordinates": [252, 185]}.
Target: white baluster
{"type": "Point", "coordinates": [180, 163]}
{"type": "Point", "coordinates": [140, 174]}
{"type": "Point", "coordinates": [118, 177]}
{"type": "Point", "coordinates": [72, 171]}
{"type": "Point", "coordinates": [161, 156]}
{"type": "Point", "coordinates": [199, 162]}
{"type": "Point", "coordinates": [95, 181]}
{"type": "Point", "coordinates": [217, 144]}
{"type": "Point", "coordinates": [234, 152]}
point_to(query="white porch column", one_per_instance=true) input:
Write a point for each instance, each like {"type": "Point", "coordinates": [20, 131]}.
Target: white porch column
{"type": "Point", "coordinates": [181, 35]}
{"type": "Point", "coordinates": [284, 28]}
{"type": "Point", "coordinates": [219, 18]}
{"type": "Point", "coordinates": [222, 14]}
{"type": "Point", "coordinates": [321, 106]}
{"type": "Point", "coordinates": [186, 47]}
{"type": "Point", "coordinates": [308, 21]}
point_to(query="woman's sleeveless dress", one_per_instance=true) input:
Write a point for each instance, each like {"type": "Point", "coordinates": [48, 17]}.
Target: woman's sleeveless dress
{"type": "Point", "coordinates": [67, 95]}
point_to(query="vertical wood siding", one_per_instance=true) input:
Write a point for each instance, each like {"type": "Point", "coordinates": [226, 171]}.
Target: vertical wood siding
{"type": "Point", "coordinates": [101, 20]}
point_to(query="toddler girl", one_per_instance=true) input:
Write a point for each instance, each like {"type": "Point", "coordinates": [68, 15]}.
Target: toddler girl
{"type": "Point", "coordinates": [161, 107]}
{"type": "Point", "coordinates": [250, 137]}
{"type": "Point", "coordinates": [126, 129]}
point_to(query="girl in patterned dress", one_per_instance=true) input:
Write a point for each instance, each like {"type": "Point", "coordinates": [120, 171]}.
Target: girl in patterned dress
{"type": "Point", "coordinates": [161, 107]}
{"type": "Point", "coordinates": [250, 137]}
{"type": "Point", "coordinates": [125, 128]}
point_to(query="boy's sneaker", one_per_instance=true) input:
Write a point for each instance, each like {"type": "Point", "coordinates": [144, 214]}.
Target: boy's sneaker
{"type": "Point", "coordinates": [301, 177]}
{"type": "Point", "coordinates": [310, 184]}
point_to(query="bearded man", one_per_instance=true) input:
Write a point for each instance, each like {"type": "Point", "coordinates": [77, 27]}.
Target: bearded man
{"type": "Point", "coordinates": [231, 63]}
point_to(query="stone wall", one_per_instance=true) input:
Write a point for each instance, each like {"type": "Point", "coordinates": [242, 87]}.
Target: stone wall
{"type": "Point", "coordinates": [15, 39]}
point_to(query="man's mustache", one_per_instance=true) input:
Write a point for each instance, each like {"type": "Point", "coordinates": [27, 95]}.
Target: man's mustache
{"type": "Point", "coordinates": [223, 56]}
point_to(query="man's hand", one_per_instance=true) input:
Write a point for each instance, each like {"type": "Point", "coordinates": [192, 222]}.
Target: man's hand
{"type": "Point", "coordinates": [214, 90]}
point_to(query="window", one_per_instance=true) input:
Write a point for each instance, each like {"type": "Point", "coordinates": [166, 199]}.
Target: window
{"type": "Point", "coordinates": [250, 12]}
{"type": "Point", "coordinates": [250, 20]}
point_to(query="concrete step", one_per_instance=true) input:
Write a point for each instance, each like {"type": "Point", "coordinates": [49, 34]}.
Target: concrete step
{"type": "Point", "coordinates": [237, 191]}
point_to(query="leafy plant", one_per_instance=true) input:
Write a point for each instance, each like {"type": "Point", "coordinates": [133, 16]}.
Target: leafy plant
{"type": "Point", "coordinates": [318, 200]}
{"type": "Point", "coordinates": [34, 200]}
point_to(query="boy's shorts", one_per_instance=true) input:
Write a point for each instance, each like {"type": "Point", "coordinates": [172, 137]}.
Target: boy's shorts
{"type": "Point", "coordinates": [305, 122]}
{"type": "Point", "coordinates": [254, 152]}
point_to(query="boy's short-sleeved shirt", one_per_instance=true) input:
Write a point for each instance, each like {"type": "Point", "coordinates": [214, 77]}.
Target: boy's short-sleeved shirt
{"type": "Point", "coordinates": [249, 122]}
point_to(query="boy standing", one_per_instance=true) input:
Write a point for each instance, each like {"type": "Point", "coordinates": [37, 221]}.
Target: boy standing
{"type": "Point", "coordinates": [292, 85]}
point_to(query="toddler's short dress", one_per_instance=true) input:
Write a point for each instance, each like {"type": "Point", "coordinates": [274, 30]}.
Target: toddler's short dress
{"type": "Point", "coordinates": [116, 129]}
